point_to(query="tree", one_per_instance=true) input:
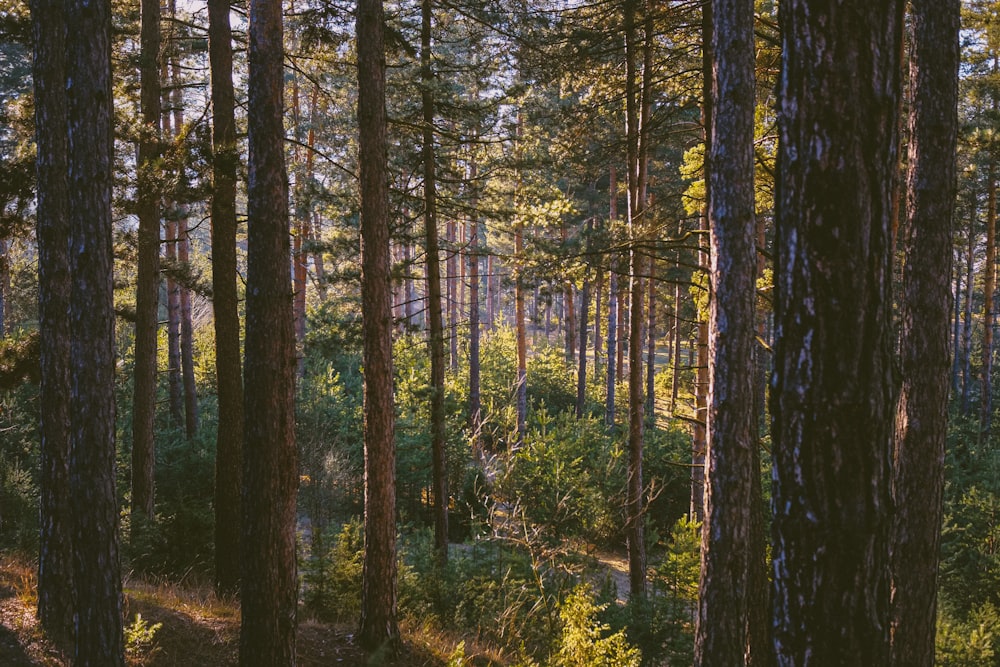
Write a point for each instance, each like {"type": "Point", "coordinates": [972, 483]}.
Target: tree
{"type": "Point", "coordinates": [721, 637]}
{"type": "Point", "coordinates": [89, 113]}
{"type": "Point", "coordinates": [229, 440]}
{"type": "Point", "coordinates": [925, 308]}
{"type": "Point", "coordinates": [831, 398]}
{"type": "Point", "coordinates": [435, 322]}
{"type": "Point", "coordinates": [147, 290]}
{"type": "Point", "coordinates": [269, 585]}
{"type": "Point", "coordinates": [55, 553]}
{"type": "Point", "coordinates": [378, 627]}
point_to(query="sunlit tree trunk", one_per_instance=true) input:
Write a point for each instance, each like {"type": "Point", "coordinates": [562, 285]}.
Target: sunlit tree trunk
{"type": "Point", "coordinates": [147, 289]}
{"type": "Point", "coordinates": [989, 316]}
{"type": "Point", "coordinates": [723, 613]}
{"type": "Point", "coordinates": [922, 412]}
{"type": "Point", "coordinates": [612, 342]}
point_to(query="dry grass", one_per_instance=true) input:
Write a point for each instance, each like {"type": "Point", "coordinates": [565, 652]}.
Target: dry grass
{"type": "Point", "coordinates": [196, 629]}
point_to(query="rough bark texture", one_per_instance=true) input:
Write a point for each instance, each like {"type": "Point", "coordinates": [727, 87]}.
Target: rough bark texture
{"type": "Point", "coordinates": [97, 571]}
{"type": "Point", "coordinates": [925, 309]}
{"type": "Point", "coordinates": [721, 637]}
{"type": "Point", "coordinates": [147, 290]}
{"type": "Point", "coordinates": [439, 461]}
{"type": "Point", "coordinates": [229, 440]}
{"type": "Point", "coordinates": [831, 396]}
{"type": "Point", "coordinates": [55, 553]}
{"type": "Point", "coordinates": [268, 591]}
{"type": "Point", "coordinates": [378, 626]}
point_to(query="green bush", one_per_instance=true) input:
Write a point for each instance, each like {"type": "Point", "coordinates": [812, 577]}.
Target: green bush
{"type": "Point", "coordinates": [585, 641]}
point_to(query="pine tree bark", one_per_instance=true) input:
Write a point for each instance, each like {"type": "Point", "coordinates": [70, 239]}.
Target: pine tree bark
{"type": "Point", "coordinates": [97, 571]}
{"type": "Point", "coordinates": [229, 373]}
{"type": "Point", "coordinates": [147, 290]}
{"type": "Point", "coordinates": [925, 309]}
{"type": "Point", "coordinates": [723, 611]}
{"type": "Point", "coordinates": [56, 603]}
{"type": "Point", "coordinates": [832, 397]}
{"type": "Point", "coordinates": [270, 469]}
{"type": "Point", "coordinates": [436, 321]}
{"type": "Point", "coordinates": [378, 627]}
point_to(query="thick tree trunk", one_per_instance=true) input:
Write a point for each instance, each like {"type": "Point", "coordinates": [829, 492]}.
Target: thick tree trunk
{"type": "Point", "coordinates": [270, 471]}
{"type": "Point", "coordinates": [229, 373]}
{"type": "Point", "coordinates": [378, 627]}
{"type": "Point", "coordinates": [922, 413]}
{"type": "Point", "coordinates": [97, 572]}
{"type": "Point", "coordinates": [723, 612]}
{"type": "Point", "coordinates": [56, 604]}
{"type": "Point", "coordinates": [832, 397]}
{"type": "Point", "coordinates": [147, 289]}
{"type": "Point", "coordinates": [436, 329]}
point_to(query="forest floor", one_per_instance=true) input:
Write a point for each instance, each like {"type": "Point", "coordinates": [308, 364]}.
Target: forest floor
{"type": "Point", "coordinates": [198, 629]}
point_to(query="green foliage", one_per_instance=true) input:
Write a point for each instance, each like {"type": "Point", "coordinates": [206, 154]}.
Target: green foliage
{"type": "Point", "coordinates": [585, 641]}
{"type": "Point", "coordinates": [19, 465]}
{"type": "Point", "coordinates": [332, 578]}
{"type": "Point", "coordinates": [139, 637]}
{"type": "Point", "coordinates": [568, 477]}
{"type": "Point", "coordinates": [972, 643]}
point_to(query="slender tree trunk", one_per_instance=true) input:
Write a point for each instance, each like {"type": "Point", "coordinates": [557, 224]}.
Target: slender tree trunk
{"type": "Point", "coordinates": [989, 317]}
{"type": "Point", "coordinates": [598, 290]}
{"type": "Point", "coordinates": [522, 345]}
{"type": "Point", "coordinates": [613, 351]}
{"type": "Point", "coordinates": [723, 613]}
{"type": "Point", "coordinates": [581, 374]}
{"type": "Point", "coordinates": [922, 413]}
{"type": "Point", "coordinates": [56, 601]}
{"type": "Point", "coordinates": [651, 345]}
{"type": "Point", "coordinates": [451, 279]}
{"type": "Point", "coordinates": [229, 374]}
{"type": "Point", "coordinates": [956, 336]}
{"type": "Point", "coordinates": [967, 318]}
{"type": "Point", "coordinates": [436, 332]}
{"type": "Point", "coordinates": [378, 627]}
{"type": "Point", "coordinates": [676, 355]}
{"type": "Point", "coordinates": [270, 471]}
{"type": "Point", "coordinates": [475, 404]}
{"type": "Point", "coordinates": [832, 397]}
{"type": "Point", "coordinates": [148, 268]}
{"type": "Point", "coordinates": [97, 572]}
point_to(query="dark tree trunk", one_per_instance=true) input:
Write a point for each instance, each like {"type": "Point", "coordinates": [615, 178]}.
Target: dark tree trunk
{"type": "Point", "coordinates": [148, 281]}
{"type": "Point", "coordinates": [475, 402]}
{"type": "Point", "coordinates": [229, 440]}
{"type": "Point", "coordinates": [187, 336]}
{"type": "Point", "coordinates": [97, 572]}
{"type": "Point", "coordinates": [436, 330]}
{"type": "Point", "coordinates": [650, 371]}
{"type": "Point", "coordinates": [970, 264]}
{"type": "Point", "coordinates": [832, 398]}
{"type": "Point", "coordinates": [922, 413]}
{"type": "Point", "coordinates": [378, 627]}
{"type": "Point", "coordinates": [55, 551]}
{"type": "Point", "coordinates": [451, 279]}
{"type": "Point", "coordinates": [270, 471]}
{"type": "Point", "coordinates": [723, 613]}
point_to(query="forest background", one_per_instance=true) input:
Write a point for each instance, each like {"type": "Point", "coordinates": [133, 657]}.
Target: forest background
{"type": "Point", "coordinates": [551, 307]}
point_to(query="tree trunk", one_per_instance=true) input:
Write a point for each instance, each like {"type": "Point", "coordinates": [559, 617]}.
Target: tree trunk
{"type": "Point", "coordinates": [925, 309]}
{"type": "Point", "coordinates": [522, 345]}
{"type": "Point", "coordinates": [229, 374]}
{"type": "Point", "coordinates": [147, 289]}
{"type": "Point", "coordinates": [723, 612]}
{"type": "Point", "coordinates": [613, 355]}
{"type": "Point", "coordinates": [832, 397]}
{"type": "Point", "coordinates": [378, 627]}
{"type": "Point", "coordinates": [475, 403]}
{"type": "Point", "coordinates": [436, 330]}
{"type": "Point", "coordinates": [581, 373]}
{"type": "Point", "coordinates": [55, 551]}
{"type": "Point", "coordinates": [651, 345]}
{"type": "Point", "coordinates": [270, 470]}
{"type": "Point", "coordinates": [967, 317]}
{"type": "Point", "coordinates": [451, 279]}
{"type": "Point", "coordinates": [989, 317]}
{"type": "Point", "coordinates": [97, 572]}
